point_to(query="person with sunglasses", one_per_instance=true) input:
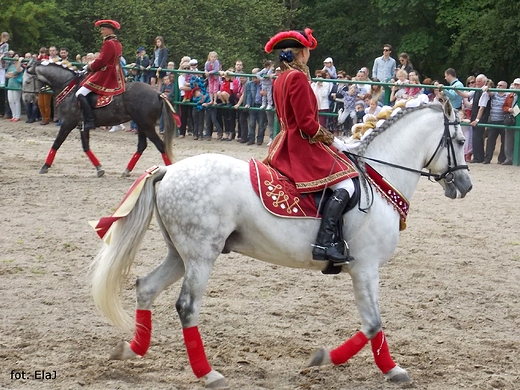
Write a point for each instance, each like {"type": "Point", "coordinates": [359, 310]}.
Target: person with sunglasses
{"type": "Point", "coordinates": [384, 66]}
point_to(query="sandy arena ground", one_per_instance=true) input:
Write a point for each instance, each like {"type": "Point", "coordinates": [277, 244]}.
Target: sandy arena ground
{"type": "Point", "coordinates": [449, 297]}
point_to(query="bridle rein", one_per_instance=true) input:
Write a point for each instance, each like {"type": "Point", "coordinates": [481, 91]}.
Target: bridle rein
{"type": "Point", "coordinates": [446, 141]}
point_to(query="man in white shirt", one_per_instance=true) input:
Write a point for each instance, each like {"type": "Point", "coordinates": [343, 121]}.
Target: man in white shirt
{"type": "Point", "coordinates": [384, 66]}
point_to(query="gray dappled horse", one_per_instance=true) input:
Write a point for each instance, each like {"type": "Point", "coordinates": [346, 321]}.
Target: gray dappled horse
{"type": "Point", "coordinates": [140, 103]}
{"type": "Point", "coordinates": [206, 205]}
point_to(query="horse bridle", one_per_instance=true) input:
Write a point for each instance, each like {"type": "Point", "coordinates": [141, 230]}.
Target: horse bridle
{"type": "Point", "coordinates": [77, 76]}
{"type": "Point", "coordinates": [446, 141]}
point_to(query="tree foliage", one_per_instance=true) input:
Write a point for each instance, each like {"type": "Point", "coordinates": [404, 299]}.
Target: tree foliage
{"type": "Point", "coordinates": [471, 36]}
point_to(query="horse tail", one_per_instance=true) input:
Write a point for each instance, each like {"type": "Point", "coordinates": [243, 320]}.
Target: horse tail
{"type": "Point", "coordinates": [112, 264]}
{"type": "Point", "coordinates": [170, 127]}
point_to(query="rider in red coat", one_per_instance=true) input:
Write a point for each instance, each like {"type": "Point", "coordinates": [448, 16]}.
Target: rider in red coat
{"type": "Point", "coordinates": [106, 77]}
{"type": "Point", "coordinates": [303, 149]}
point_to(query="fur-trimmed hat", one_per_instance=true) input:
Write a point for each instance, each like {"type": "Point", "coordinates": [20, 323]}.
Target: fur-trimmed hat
{"type": "Point", "coordinates": [291, 39]}
{"type": "Point", "coordinates": [108, 23]}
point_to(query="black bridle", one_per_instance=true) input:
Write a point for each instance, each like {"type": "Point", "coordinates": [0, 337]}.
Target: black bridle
{"type": "Point", "coordinates": [75, 75]}
{"type": "Point", "coordinates": [446, 141]}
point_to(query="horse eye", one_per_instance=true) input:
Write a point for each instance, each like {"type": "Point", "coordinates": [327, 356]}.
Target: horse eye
{"type": "Point", "coordinates": [461, 142]}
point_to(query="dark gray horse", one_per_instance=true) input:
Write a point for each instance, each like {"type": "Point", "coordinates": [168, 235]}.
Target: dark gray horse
{"type": "Point", "coordinates": [140, 103]}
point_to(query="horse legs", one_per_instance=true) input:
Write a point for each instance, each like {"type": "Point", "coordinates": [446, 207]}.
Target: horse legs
{"type": "Point", "coordinates": [159, 144]}
{"type": "Point", "coordinates": [365, 290]}
{"type": "Point", "coordinates": [64, 132]}
{"type": "Point", "coordinates": [85, 143]}
{"type": "Point", "coordinates": [147, 289]}
{"type": "Point", "coordinates": [188, 307]}
{"type": "Point", "coordinates": [141, 146]}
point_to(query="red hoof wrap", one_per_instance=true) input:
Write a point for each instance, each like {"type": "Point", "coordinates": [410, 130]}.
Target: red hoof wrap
{"type": "Point", "coordinates": [93, 159]}
{"type": "Point", "coordinates": [50, 157]}
{"type": "Point", "coordinates": [131, 164]}
{"type": "Point", "coordinates": [166, 159]}
{"type": "Point", "coordinates": [143, 332]}
{"type": "Point", "coordinates": [382, 353]}
{"type": "Point", "coordinates": [351, 347]}
{"type": "Point", "coordinates": [195, 349]}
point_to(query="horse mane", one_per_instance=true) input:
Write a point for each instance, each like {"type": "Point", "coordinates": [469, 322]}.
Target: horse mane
{"type": "Point", "coordinates": [63, 63]}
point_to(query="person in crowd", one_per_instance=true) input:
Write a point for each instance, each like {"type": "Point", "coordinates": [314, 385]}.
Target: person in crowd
{"type": "Point", "coordinates": [336, 102]}
{"type": "Point", "coordinates": [106, 75]}
{"type": "Point", "coordinates": [142, 62]}
{"type": "Point", "coordinates": [374, 108]}
{"type": "Point", "coordinates": [64, 54]}
{"type": "Point", "coordinates": [212, 69]}
{"type": "Point", "coordinates": [510, 104]}
{"type": "Point", "coordinates": [404, 63]}
{"type": "Point", "coordinates": [378, 93]}
{"type": "Point", "coordinates": [199, 97]}
{"type": "Point", "coordinates": [228, 116]}
{"type": "Point", "coordinates": [30, 93]}
{"type": "Point", "coordinates": [159, 62]}
{"type": "Point", "coordinates": [328, 66]}
{"type": "Point", "coordinates": [224, 93]}
{"type": "Point", "coordinates": [243, 114]}
{"type": "Point", "coordinates": [304, 151]}
{"type": "Point", "coordinates": [384, 66]}
{"type": "Point", "coordinates": [4, 49]}
{"type": "Point", "coordinates": [257, 118]}
{"type": "Point", "coordinates": [44, 97]}
{"type": "Point", "coordinates": [53, 54]}
{"type": "Point", "coordinates": [412, 92]}
{"type": "Point", "coordinates": [496, 117]}
{"type": "Point", "coordinates": [321, 92]}
{"type": "Point", "coordinates": [480, 108]}
{"type": "Point", "coordinates": [455, 96]}
{"type": "Point", "coordinates": [167, 91]}
{"type": "Point", "coordinates": [363, 89]}
{"type": "Point", "coordinates": [266, 83]}
{"type": "Point", "coordinates": [398, 92]}
{"type": "Point", "coordinates": [185, 94]}
{"type": "Point", "coordinates": [14, 75]}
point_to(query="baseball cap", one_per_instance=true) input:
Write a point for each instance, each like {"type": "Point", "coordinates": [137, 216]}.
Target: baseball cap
{"type": "Point", "coordinates": [193, 61]}
{"type": "Point", "coordinates": [328, 59]}
{"type": "Point", "coordinates": [516, 81]}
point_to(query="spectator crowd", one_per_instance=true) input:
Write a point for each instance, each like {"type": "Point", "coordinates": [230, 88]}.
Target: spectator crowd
{"type": "Point", "coordinates": [230, 104]}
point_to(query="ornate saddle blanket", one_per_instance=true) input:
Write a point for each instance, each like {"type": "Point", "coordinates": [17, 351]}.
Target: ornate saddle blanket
{"type": "Point", "coordinates": [278, 194]}
{"type": "Point", "coordinates": [98, 101]}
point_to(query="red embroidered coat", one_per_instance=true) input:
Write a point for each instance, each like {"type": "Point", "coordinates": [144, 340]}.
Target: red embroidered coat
{"type": "Point", "coordinates": [311, 166]}
{"type": "Point", "coordinates": [107, 77]}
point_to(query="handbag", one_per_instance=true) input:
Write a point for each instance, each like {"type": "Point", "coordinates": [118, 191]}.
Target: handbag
{"type": "Point", "coordinates": [509, 120]}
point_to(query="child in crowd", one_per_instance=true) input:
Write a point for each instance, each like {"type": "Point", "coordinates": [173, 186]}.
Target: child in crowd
{"type": "Point", "coordinates": [468, 134]}
{"type": "Point", "coordinates": [373, 108]}
{"type": "Point", "coordinates": [349, 108]}
{"type": "Point", "coordinates": [360, 112]}
{"type": "Point", "coordinates": [226, 88]}
{"type": "Point", "coordinates": [412, 92]}
{"type": "Point", "coordinates": [266, 83]}
{"type": "Point", "coordinates": [212, 70]}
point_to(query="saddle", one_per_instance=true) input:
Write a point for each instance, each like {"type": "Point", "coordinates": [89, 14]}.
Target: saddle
{"type": "Point", "coordinates": [99, 101]}
{"type": "Point", "coordinates": [279, 196]}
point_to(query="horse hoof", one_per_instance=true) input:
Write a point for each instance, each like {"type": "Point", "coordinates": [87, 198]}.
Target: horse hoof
{"type": "Point", "coordinates": [320, 358]}
{"type": "Point", "coordinates": [398, 375]}
{"type": "Point", "coordinates": [215, 380]}
{"type": "Point", "coordinates": [44, 169]}
{"type": "Point", "coordinates": [126, 173]}
{"type": "Point", "coordinates": [122, 352]}
{"type": "Point", "coordinates": [100, 171]}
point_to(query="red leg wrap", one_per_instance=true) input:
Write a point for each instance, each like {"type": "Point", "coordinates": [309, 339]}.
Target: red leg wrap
{"type": "Point", "coordinates": [352, 346]}
{"type": "Point", "coordinates": [143, 332]}
{"type": "Point", "coordinates": [382, 353]}
{"type": "Point", "coordinates": [166, 159]}
{"type": "Point", "coordinates": [50, 157]}
{"type": "Point", "coordinates": [133, 161]}
{"type": "Point", "coordinates": [93, 159]}
{"type": "Point", "coordinates": [195, 349]}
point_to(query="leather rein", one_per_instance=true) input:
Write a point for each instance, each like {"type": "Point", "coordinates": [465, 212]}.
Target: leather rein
{"type": "Point", "coordinates": [446, 141]}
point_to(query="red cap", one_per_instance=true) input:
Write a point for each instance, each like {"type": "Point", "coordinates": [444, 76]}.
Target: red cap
{"type": "Point", "coordinates": [108, 23]}
{"type": "Point", "coordinates": [291, 38]}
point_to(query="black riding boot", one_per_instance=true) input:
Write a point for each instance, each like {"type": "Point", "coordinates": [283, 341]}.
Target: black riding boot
{"type": "Point", "coordinates": [89, 122]}
{"type": "Point", "coordinates": [326, 247]}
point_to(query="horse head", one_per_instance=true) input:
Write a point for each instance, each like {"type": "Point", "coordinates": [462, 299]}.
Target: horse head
{"type": "Point", "coordinates": [31, 65]}
{"type": "Point", "coordinates": [447, 163]}
{"type": "Point", "coordinates": [57, 75]}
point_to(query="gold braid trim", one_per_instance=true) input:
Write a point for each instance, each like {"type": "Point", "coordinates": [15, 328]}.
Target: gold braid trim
{"type": "Point", "coordinates": [322, 135]}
